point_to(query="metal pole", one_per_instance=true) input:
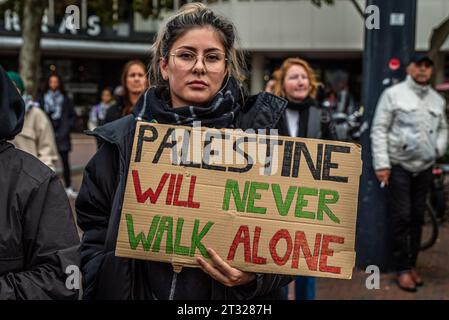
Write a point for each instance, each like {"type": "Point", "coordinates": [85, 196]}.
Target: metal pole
{"type": "Point", "coordinates": [386, 53]}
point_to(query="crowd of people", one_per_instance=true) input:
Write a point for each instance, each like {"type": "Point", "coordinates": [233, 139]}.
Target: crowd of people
{"type": "Point", "coordinates": [196, 74]}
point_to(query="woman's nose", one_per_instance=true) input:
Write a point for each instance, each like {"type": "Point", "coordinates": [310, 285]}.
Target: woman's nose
{"type": "Point", "coordinates": [199, 66]}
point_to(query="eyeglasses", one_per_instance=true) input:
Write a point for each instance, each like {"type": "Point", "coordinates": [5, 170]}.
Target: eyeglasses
{"type": "Point", "coordinates": [186, 60]}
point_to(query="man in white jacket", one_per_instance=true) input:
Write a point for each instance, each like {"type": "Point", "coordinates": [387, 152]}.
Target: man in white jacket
{"type": "Point", "coordinates": [409, 132]}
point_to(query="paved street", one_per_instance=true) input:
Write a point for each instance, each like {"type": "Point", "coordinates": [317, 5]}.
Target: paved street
{"type": "Point", "coordinates": [432, 264]}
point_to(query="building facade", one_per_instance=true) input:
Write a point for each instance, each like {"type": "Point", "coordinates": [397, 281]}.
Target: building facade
{"type": "Point", "coordinates": [91, 57]}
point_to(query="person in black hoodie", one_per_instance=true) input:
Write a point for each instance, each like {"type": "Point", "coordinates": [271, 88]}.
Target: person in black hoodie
{"type": "Point", "coordinates": [38, 237]}
{"type": "Point", "coordinates": [59, 108]}
{"type": "Point", "coordinates": [197, 75]}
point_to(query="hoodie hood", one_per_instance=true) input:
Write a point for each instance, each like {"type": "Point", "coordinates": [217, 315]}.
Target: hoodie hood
{"type": "Point", "coordinates": [12, 108]}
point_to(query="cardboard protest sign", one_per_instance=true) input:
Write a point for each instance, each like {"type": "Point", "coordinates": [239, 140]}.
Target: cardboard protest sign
{"type": "Point", "coordinates": [265, 203]}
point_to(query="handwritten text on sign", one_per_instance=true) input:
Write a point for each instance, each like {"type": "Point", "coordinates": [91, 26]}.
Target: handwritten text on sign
{"type": "Point", "coordinates": [265, 203]}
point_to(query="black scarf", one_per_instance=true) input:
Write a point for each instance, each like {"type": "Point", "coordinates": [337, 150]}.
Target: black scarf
{"type": "Point", "coordinates": [303, 109]}
{"type": "Point", "coordinates": [301, 106]}
{"type": "Point", "coordinates": [154, 104]}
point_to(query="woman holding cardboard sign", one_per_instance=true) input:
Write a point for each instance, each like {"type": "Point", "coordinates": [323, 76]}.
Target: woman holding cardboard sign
{"type": "Point", "coordinates": [197, 74]}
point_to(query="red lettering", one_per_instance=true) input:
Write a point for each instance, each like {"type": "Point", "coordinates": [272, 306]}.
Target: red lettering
{"type": "Point", "coordinates": [257, 259]}
{"type": "Point", "coordinates": [242, 236]}
{"type": "Point", "coordinates": [190, 202]}
{"type": "Point", "coordinates": [301, 243]}
{"type": "Point", "coordinates": [281, 234]}
{"type": "Point", "coordinates": [141, 198]}
{"type": "Point", "coordinates": [171, 188]}
{"type": "Point", "coordinates": [326, 252]}
{"type": "Point", "coordinates": [176, 201]}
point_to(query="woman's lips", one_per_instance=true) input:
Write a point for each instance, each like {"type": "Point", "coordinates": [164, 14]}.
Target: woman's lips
{"type": "Point", "coordinates": [197, 84]}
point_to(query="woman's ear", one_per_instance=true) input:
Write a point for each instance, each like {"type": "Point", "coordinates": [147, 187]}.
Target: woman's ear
{"type": "Point", "coordinates": [163, 65]}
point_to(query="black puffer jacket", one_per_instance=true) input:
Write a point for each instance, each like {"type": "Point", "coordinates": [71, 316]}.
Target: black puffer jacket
{"type": "Point", "coordinates": [38, 237]}
{"type": "Point", "coordinates": [98, 207]}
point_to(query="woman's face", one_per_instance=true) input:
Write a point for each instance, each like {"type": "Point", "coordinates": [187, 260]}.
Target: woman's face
{"type": "Point", "coordinates": [136, 80]}
{"type": "Point", "coordinates": [197, 84]}
{"type": "Point", "coordinates": [53, 83]}
{"type": "Point", "coordinates": [106, 96]}
{"type": "Point", "coordinates": [296, 83]}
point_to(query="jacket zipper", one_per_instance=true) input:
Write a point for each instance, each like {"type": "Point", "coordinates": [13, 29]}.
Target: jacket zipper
{"type": "Point", "coordinates": [173, 286]}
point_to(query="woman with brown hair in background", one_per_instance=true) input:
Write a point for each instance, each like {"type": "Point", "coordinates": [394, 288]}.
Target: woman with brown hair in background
{"type": "Point", "coordinates": [134, 81]}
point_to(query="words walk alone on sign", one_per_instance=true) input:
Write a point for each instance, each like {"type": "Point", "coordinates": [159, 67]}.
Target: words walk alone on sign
{"type": "Point", "coordinates": [265, 203]}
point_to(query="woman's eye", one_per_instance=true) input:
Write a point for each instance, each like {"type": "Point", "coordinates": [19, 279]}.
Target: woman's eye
{"type": "Point", "coordinates": [213, 58]}
{"type": "Point", "coordinates": [186, 55]}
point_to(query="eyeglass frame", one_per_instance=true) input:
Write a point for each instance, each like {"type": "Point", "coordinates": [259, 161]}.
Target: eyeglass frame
{"type": "Point", "coordinates": [196, 57]}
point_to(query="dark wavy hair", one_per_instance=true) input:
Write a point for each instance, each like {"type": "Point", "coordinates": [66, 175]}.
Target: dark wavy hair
{"type": "Point", "coordinates": [61, 83]}
{"type": "Point", "coordinates": [126, 100]}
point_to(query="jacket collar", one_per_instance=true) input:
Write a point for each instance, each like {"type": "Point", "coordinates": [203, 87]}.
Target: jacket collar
{"type": "Point", "coordinates": [419, 89]}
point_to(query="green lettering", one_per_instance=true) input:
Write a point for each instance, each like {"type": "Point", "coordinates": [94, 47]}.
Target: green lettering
{"type": "Point", "coordinates": [181, 250]}
{"type": "Point", "coordinates": [283, 206]}
{"type": "Point", "coordinates": [322, 204]}
{"type": "Point", "coordinates": [232, 186]}
{"type": "Point", "coordinates": [196, 238]}
{"type": "Point", "coordinates": [146, 241]}
{"type": "Point", "coordinates": [253, 195]}
{"type": "Point", "coordinates": [166, 225]}
{"type": "Point", "coordinates": [301, 202]}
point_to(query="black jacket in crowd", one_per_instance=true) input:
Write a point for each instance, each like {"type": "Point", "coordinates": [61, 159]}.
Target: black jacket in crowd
{"type": "Point", "coordinates": [99, 205]}
{"type": "Point", "coordinates": [63, 126]}
{"type": "Point", "coordinates": [38, 237]}
{"type": "Point", "coordinates": [317, 125]}
{"type": "Point", "coordinates": [115, 112]}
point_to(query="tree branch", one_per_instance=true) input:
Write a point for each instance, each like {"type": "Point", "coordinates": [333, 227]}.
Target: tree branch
{"type": "Point", "coordinates": [439, 36]}
{"type": "Point", "coordinates": [358, 8]}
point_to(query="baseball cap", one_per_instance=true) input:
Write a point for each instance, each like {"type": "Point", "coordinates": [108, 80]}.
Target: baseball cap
{"type": "Point", "coordinates": [420, 57]}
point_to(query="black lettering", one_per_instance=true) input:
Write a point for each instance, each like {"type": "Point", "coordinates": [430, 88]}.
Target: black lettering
{"type": "Point", "coordinates": [248, 158]}
{"type": "Point", "coordinates": [185, 152]}
{"type": "Point", "coordinates": [142, 138]}
{"type": "Point", "coordinates": [269, 152]}
{"type": "Point", "coordinates": [287, 163]}
{"type": "Point", "coordinates": [210, 152]}
{"type": "Point", "coordinates": [329, 165]}
{"type": "Point", "coordinates": [315, 170]}
{"type": "Point", "coordinates": [164, 144]}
